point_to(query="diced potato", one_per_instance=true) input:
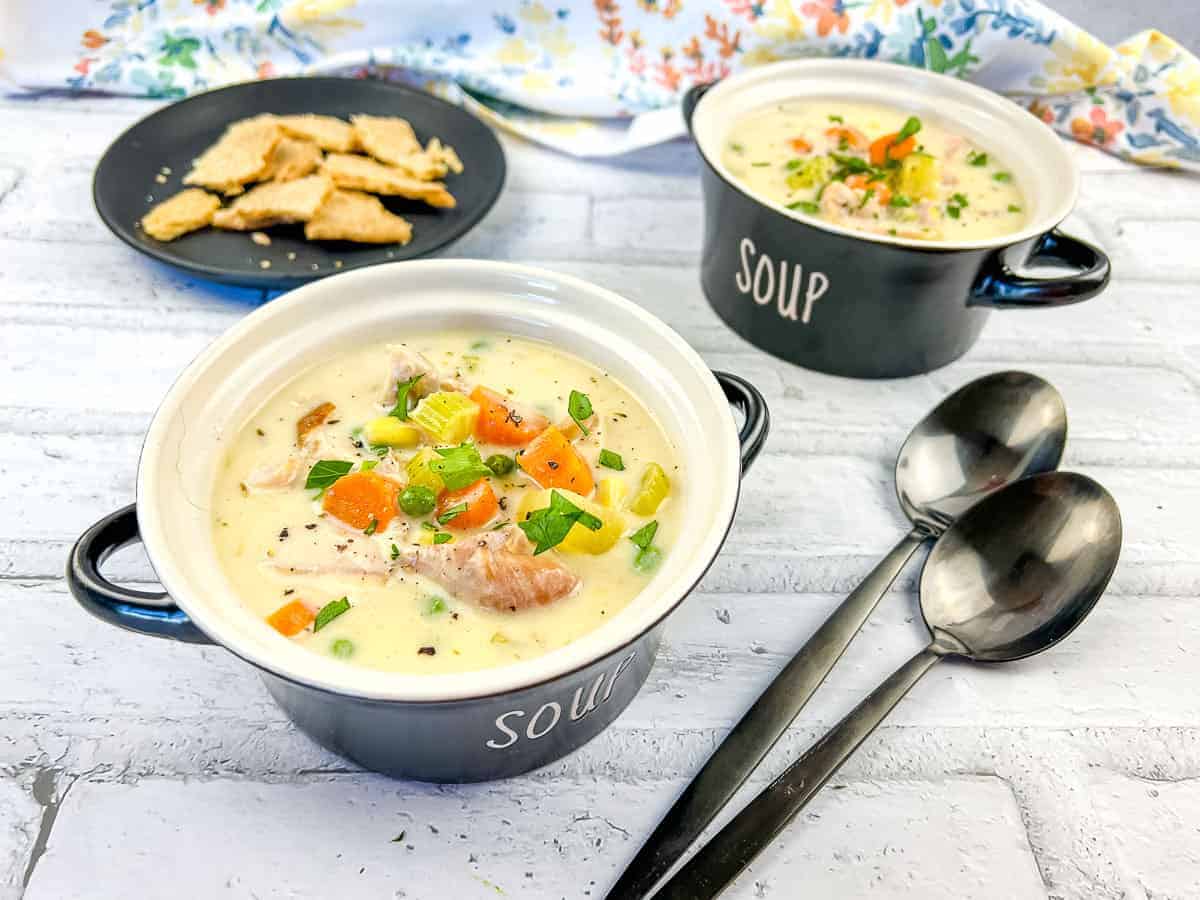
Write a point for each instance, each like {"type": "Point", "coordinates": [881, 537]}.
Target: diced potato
{"type": "Point", "coordinates": [426, 537]}
{"type": "Point", "coordinates": [920, 175]}
{"type": "Point", "coordinates": [652, 492]}
{"type": "Point", "coordinates": [448, 417]}
{"type": "Point", "coordinates": [611, 492]}
{"type": "Point", "coordinates": [389, 431]}
{"type": "Point", "coordinates": [814, 171]}
{"type": "Point", "coordinates": [579, 539]}
{"type": "Point", "coordinates": [419, 472]}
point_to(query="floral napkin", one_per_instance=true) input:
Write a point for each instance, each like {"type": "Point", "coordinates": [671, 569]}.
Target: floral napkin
{"type": "Point", "coordinates": [605, 76]}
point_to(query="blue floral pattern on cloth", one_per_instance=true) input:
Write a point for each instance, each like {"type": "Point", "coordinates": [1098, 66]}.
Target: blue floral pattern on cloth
{"type": "Point", "coordinates": [588, 77]}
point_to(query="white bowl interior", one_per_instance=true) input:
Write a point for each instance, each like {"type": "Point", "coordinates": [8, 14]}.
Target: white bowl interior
{"type": "Point", "coordinates": [1030, 150]}
{"type": "Point", "coordinates": [192, 431]}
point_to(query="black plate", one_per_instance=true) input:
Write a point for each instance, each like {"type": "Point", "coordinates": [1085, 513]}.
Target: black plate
{"type": "Point", "coordinates": [125, 186]}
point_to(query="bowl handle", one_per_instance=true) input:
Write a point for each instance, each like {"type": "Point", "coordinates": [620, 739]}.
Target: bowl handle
{"type": "Point", "coordinates": [146, 612]}
{"type": "Point", "coordinates": [999, 286]}
{"type": "Point", "coordinates": [691, 98]}
{"type": "Point", "coordinates": [756, 419]}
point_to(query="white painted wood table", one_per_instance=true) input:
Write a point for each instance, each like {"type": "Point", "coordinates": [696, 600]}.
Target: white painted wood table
{"type": "Point", "coordinates": [134, 768]}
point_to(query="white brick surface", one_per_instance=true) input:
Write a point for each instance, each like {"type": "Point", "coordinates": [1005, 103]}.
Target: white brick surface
{"type": "Point", "coordinates": [564, 838]}
{"type": "Point", "coordinates": [20, 819]}
{"type": "Point", "coordinates": [1070, 776]}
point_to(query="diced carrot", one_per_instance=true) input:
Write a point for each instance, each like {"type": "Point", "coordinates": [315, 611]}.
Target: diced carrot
{"type": "Point", "coordinates": [500, 423]}
{"type": "Point", "coordinates": [553, 462]}
{"type": "Point", "coordinates": [861, 181]}
{"type": "Point", "coordinates": [291, 618]}
{"type": "Point", "coordinates": [312, 419]}
{"type": "Point", "coordinates": [360, 498]}
{"type": "Point", "coordinates": [800, 145]}
{"type": "Point", "coordinates": [887, 147]}
{"type": "Point", "coordinates": [852, 136]}
{"type": "Point", "coordinates": [481, 502]}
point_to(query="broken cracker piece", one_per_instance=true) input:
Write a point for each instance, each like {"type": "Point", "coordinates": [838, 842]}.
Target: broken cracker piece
{"type": "Point", "coordinates": [362, 174]}
{"type": "Point", "coordinates": [355, 216]}
{"type": "Point", "coordinates": [241, 155]}
{"type": "Point", "coordinates": [275, 203]}
{"type": "Point", "coordinates": [431, 163]}
{"type": "Point", "coordinates": [387, 138]}
{"type": "Point", "coordinates": [327, 132]}
{"type": "Point", "coordinates": [186, 211]}
{"type": "Point", "coordinates": [292, 159]}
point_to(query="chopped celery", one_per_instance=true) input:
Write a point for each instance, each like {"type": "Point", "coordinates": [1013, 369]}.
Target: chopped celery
{"type": "Point", "coordinates": [920, 176]}
{"type": "Point", "coordinates": [448, 417]}
{"type": "Point", "coordinates": [813, 171]}
{"type": "Point", "coordinates": [652, 492]}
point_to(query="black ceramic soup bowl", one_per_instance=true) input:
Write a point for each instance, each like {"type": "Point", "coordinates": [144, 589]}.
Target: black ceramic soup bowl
{"type": "Point", "coordinates": [873, 305]}
{"type": "Point", "coordinates": [470, 726]}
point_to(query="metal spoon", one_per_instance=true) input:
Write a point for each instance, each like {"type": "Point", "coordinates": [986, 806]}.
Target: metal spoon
{"type": "Point", "coordinates": [990, 432]}
{"type": "Point", "coordinates": [1011, 578]}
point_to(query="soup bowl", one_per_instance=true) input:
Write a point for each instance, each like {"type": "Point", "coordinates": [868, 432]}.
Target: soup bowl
{"type": "Point", "coordinates": [458, 727]}
{"type": "Point", "coordinates": [876, 305]}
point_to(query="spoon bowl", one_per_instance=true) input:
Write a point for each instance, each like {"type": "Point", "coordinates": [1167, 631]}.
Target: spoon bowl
{"type": "Point", "coordinates": [986, 434]}
{"type": "Point", "coordinates": [1012, 577]}
{"type": "Point", "coordinates": [1022, 569]}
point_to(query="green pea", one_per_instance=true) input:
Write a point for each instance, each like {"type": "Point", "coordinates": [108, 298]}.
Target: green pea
{"type": "Point", "coordinates": [500, 464]}
{"type": "Point", "coordinates": [417, 500]}
{"type": "Point", "coordinates": [342, 648]}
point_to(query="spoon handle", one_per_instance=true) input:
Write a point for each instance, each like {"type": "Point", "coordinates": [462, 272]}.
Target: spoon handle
{"type": "Point", "coordinates": [758, 730]}
{"type": "Point", "coordinates": [720, 861]}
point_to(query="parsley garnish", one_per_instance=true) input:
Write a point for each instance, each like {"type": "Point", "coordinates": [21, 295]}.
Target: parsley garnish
{"type": "Point", "coordinates": [579, 407]}
{"type": "Point", "coordinates": [459, 466]}
{"type": "Point", "coordinates": [837, 119]}
{"type": "Point", "coordinates": [793, 164]}
{"type": "Point", "coordinates": [956, 205]}
{"type": "Point", "coordinates": [403, 388]}
{"type": "Point", "coordinates": [805, 206]}
{"type": "Point", "coordinates": [1012, 207]}
{"type": "Point", "coordinates": [442, 537]}
{"type": "Point", "coordinates": [329, 612]}
{"type": "Point", "coordinates": [911, 127]}
{"type": "Point", "coordinates": [644, 536]}
{"type": "Point", "coordinates": [1004, 177]}
{"type": "Point", "coordinates": [371, 528]}
{"type": "Point", "coordinates": [759, 165]}
{"type": "Point", "coordinates": [867, 197]}
{"type": "Point", "coordinates": [452, 513]}
{"type": "Point", "coordinates": [395, 552]}
{"type": "Point", "coordinates": [325, 472]}
{"type": "Point", "coordinates": [959, 200]}
{"type": "Point", "coordinates": [548, 527]}
{"type": "Point", "coordinates": [369, 464]}
{"type": "Point", "coordinates": [899, 201]}
{"type": "Point", "coordinates": [436, 605]}
{"type": "Point", "coordinates": [976, 159]}
{"type": "Point", "coordinates": [611, 460]}
{"type": "Point", "coordinates": [953, 211]}
{"type": "Point", "coordinates": [648, 556]}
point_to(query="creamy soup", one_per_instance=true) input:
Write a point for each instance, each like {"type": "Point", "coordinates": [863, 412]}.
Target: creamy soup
{"type": "Point", "coordinates": [875, 169]}
{"type": "Point", "coordinates": [449, 503]}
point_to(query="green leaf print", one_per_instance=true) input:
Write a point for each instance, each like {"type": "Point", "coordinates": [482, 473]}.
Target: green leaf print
{"type": "Point", "coordinates": [178, 51]}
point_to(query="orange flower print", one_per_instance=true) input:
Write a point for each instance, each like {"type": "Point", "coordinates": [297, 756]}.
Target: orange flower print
{"type": "Point", "coordinates": [267, 70]}
{"type": "Point", "coordinates": [1042, 111]}
{"type": "Point", "coordinates": [85, 64]}
{"type": "Point", "coordinates": [830, 14]}
{"type": "Point", "coordinates": [212, 7]}
{"type": "Point", "coordinates": [1097, 128]}
{"type": "Point", "coordinates": [93, 39]}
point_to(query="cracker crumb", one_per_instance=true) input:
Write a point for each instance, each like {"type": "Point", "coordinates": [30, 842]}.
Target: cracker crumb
{"type": "Point", "coordinates": [315, 267]}
{"type": "Point", "coordinates": [261, 238]}
{"type": "Point", "coordinates": [165, 170]}
{"type": "Point", "coordinates": [264, 264]}
{"type": "Point", "coordinates": [292, 255]}
{"type": "Point", "coordinates": [337, 263]}
{"type": "Point", "coordinates": [161, 179]}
